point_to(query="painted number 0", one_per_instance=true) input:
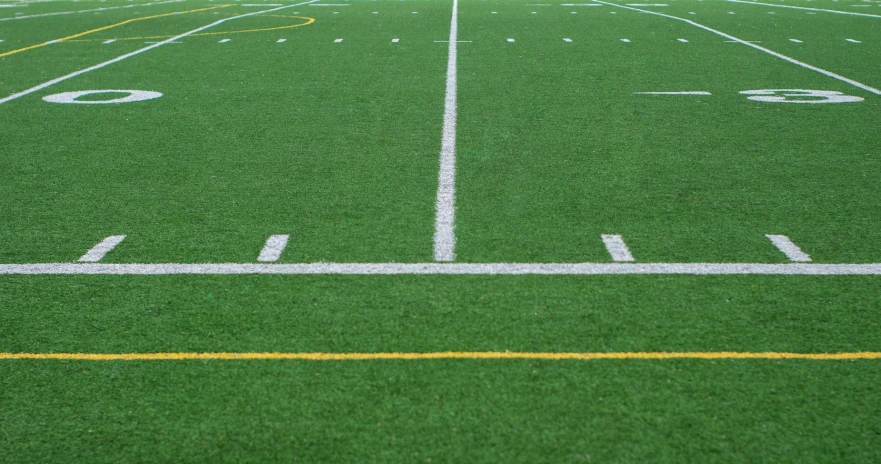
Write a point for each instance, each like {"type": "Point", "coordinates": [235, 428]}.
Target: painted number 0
{"type": "Point", "coordinates": [799, 96]}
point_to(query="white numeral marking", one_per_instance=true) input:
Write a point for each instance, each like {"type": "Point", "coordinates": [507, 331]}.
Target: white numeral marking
{"type": "Point", "coordinates": [800, 96]}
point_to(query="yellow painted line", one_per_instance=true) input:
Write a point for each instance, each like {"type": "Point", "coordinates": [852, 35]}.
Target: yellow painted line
{"type": "Point", "coordinates": [104, 28]}
{"type": "Point", "coordinates": [862, 355]}
{"type": "Point", "coordinates": [152, 37]}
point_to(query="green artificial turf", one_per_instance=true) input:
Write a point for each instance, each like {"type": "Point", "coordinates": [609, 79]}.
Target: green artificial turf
{"type": "Point", "coordinates": [336, 144]}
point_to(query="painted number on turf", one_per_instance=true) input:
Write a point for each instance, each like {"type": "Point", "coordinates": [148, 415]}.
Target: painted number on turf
{"type": "Point", "coordinates": [799, 96]}
{"type": "Point", "coordinates": [72, 97]}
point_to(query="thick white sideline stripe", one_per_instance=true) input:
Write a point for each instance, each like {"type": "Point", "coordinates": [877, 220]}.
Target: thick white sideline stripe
{"type": "Point", "coordinates": [98, 251]}
{"type": "Point", "coordinates": [617, 248]}
{"type": "Point", "coordinates": [757, 47]}
{"type": "Point", "coordinates": [809, 9]}
{"type": "Point", "coordinates": [275, 245]}
{"type": "Point", "coordinates": [444, 223]}
{"type": "Point", "coordinates": [791, 250]}
{"type": "Point", "coordinates": [139, 51]}
{"type": "Point", "coordinates": [447, 268]}
{"type": "Point", "coordinates": [88, 11]}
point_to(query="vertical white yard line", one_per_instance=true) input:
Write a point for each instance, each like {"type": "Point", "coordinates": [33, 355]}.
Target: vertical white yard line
{"type": "Point", "coordinates": [791, 250]}
{"type": "Point", "coordinates": [444, 223]}
{"type": "Point", "coordinates": [139, 51]}
{"type": "Point", "coordinates": [275, 245]}
{"type": "Point", "coordinates": [617, 248]}
{"type": "Point", "coordinates": [98, 251]}
{"type": "Point", "coordinates": [757, 47]}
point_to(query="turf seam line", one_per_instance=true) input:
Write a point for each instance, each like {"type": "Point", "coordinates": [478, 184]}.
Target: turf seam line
{"type": "Point", "coordinates": [139, 51]}
{"type": "Point", "coordinates": [757, 47]}
{"type": "Point", "coordinates": [88, 11]}
{"type": "Point", "coordinates": [443, 269]}
{"type": "Point", "coordinates": [808, 9]}
{"type": "Point", "coordinates": [444, 224]}
{"type": "Point", "coordinates": [494, 355]}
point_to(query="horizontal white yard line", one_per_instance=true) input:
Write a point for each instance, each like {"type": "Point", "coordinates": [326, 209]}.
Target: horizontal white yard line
{"type": "Point", "coordinates": [88, 11]}
{"type": "Point", "coordinates": [752, 45]}
{"type": "Point", "coordinates": [809, 9]}
{"type": "Point", "coordinates": [139, 51]}
{"type": "Point", "coordinates": [673, 93]}
{"type": "Point", "coordinates": [445, 268]}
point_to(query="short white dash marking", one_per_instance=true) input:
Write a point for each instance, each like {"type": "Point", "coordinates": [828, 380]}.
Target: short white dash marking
{"type": "Point", "coordinates": [394, 41]}
{"type": "Point", "coordinates": [691, 12]}
{"type": "Point", "coordinates": [535, 12]}
{"type": "Point", "coordinates": [104, 42]}
{"type": "Point", "coordinates": [275, 245]}
{"type": "Point", "coordinates": [791, 250]}
{"type": "Point", "coordinates": [617, 248]}
{"type": "Point", "coordinates": [853, 41]}
{"type": "Point", "coordinates": [510, 40]}
{"type": "Point", "coordinates": [375, 12]}
{"type": "Point", "coordinates": [567, 40]}
{"type": "Point", "coordinates": [625, 40]}
{"type": "Point", "coordinates": [495, 12]}
{"type": "Point", "coordinates": [772, 12]}
{"type": "Point", "coordinates": [224, 41]}
{"type": "Point", "coordinates": [337, 40]}
{"type": "Point", "coordinates": [796, 41]}
{"type": "Point", "coordinates": [415, 12]}
{"type": "Point", "coordinates": [682, 40]}
{"type": "Point", "coordinates": [98, 251]}
{"type": "Point", "coordinates": [731, 12]}
{"type": "Point", "coordinates": [329, 4]}
{"type": "Point", "coordinates": [336, 12]}
{"type": "Point", "coordinates": [281, 41]}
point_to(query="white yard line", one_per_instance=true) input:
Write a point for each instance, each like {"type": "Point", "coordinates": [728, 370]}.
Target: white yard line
{"type": "Point", "coordinates": [98, 251]}
{"type": "Point", "coordinates": [275, 245]}
{"type": "Point", "coordinates": [757, 47]}
{"type": "Point", "coordinates": [88, 11]}
{"type": "Point", "coordinates": [446, 268]}
{"type": "Point", "coordinates": [617, 248]}
{"type": "Point", "coordinates": [808, 9]}
{"type": "Point", "coordinates": [444, 223]}
{"type": "Point", "coordinates": [138, 52]}
{"type": "Point", "coordinates": [791, 250]}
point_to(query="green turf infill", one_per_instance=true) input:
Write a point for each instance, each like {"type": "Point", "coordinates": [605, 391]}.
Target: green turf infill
{"type": "Point", "coordinates": [445, 268]}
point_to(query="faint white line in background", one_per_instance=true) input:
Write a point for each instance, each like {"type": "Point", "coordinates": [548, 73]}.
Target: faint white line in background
{"type": "Point", "coordinates": [444, 224]}
{"type": "Point", "coordinates": [138, 52]}
{"type": "Point", "coordinates": [98, 251]}
{"type": "Point", "coordinates": [88, 11]}
{"type": "Point", "coordinates": [757, 47]}
{"type": "Point", "coordinates": [809, 9]}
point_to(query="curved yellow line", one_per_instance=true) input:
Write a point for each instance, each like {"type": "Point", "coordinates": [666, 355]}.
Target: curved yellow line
{"type": "Point", "coordinates": [104, 28]}
{"type": "Point", "coordinates": [853, 356]}
{"type": "Point", "coordinates": [151, 37]}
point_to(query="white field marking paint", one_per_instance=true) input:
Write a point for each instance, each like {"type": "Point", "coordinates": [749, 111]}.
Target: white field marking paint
{"type": "Point", "coordinates": [510, 40]}
{"type": "Point", "coordinates": [699, 92]}
{"type": "Point", "coordinates": [647, 4]}
{"type": "Point", "coordinates": [494, 12]}
{"type": "Point", "coordinates": [748, 41]}
{"type": "Point", "coordinates": [796, 41]}
{"type": "Point", "coordinates": [691, 12]}
{"type": "Point", "coordinates": [800, 96]}
{"type": "Point", "coordinates": [139, 51]}
{"type": "Point", "coordinates": [445, 269]}
{"type": "Point", "coordinates": [337, 41]}
{"type": "Point", "coordinates": [731, 12]}
{"type": "Point", "coordinates": [682, 40]}
{"type": "Point", "coordinates": [853, 41]}
{"type": "Point", "coordinates": [88, 11]}
{"type": "Point", "coordinates": [625, 40]}
{"type": "Point", "coordinates": [98, 251]}
{"type": "Point", "coordinates": [153, 42]}
{"type": "Point", "coordinates": [567, 40]}
{"type": "Point", "coordinates": [71, 97]}
{"type": "Point", "coordinates": [757, 47]}
{"type": "Point", "coordinates": [580, 4]}
{"type": "Point", "coordinates": [224, 40]}
{"type": "Point", "coordinates": [329, 4]}
{"type": "Point", "coordinates": [791, 250]}
{"type": "Point", "coordinates": [394, 41]}
{"type": "Point", "coordinates": [445, 206]}
{"type": "Point", "coordinates": [261, 4]}
{"type": "Point", "coordinates": [771, 12]}
{"type": "Point", "coordinates": [275, 245]}
{"type": "Point", "coordinates": [104, 42]}
{"type": "Point", "coordinates": [809, 9]}
{"type": "Point", "coordinates": [281, 40]}
{"type": "Point", "coordinates": [535, 12]}
{"type": "Point", "coordinates": [617, 248]}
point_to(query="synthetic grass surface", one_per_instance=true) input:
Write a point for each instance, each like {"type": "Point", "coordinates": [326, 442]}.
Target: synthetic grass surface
{"type": "Point", "coordinates": [336, 144]}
